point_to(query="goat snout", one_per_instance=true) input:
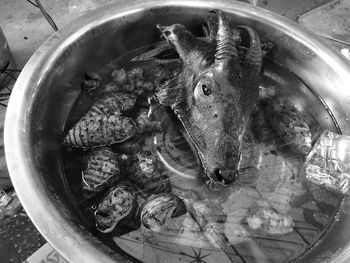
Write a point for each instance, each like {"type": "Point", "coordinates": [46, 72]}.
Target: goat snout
{"type": "Point", "coordinates": [225, 176]}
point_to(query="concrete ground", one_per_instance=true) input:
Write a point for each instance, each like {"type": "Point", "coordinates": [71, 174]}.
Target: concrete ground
{"type": "Point", "coordinates": [25, 29]}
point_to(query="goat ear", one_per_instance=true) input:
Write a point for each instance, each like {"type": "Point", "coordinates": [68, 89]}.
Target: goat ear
{"type": "Point", "coordinates": [167, 92]}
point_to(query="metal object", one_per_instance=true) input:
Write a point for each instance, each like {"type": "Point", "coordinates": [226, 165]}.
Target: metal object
{"type": "Point", "coordinates": [328, 164]}
{"type": "Point", "coordinates": [50, 83]}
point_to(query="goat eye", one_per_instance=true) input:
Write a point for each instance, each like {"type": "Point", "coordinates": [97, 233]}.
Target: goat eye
{"type": "Point", "coordinates": [206, 90]}
{"type": "Point", "coordinates": [167, 33]}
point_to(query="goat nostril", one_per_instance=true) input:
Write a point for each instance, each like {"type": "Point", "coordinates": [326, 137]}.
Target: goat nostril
{"type": "Point", "coordinates": [219, 176]}
{"type": "Point", "coordinates": [225, 176]}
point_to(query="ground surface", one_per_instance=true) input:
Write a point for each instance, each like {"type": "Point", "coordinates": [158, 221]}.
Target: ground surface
{"type": "Point", "coordinates": [25, 29]}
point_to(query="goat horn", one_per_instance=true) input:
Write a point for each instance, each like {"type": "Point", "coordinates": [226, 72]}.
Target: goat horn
{"type": "Point", "coordinates": [226, 41]}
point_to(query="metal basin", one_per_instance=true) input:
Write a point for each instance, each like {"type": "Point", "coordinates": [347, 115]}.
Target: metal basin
{"type": "Point", "coordinates": [50, 83]}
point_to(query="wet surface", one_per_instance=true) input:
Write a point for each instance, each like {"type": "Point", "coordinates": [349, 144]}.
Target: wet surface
{"type": "Point", "coordinates": [273, 188]}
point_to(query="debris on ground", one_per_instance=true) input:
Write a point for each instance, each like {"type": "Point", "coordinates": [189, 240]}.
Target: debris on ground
{"type": "Point", "coordinates": [21, 238]}
{"type": "Point", "coordinates": [9, 203]}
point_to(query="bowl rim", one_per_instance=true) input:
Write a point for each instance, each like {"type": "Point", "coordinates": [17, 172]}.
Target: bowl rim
{"type": "Point", "coordinates": [54, 227]}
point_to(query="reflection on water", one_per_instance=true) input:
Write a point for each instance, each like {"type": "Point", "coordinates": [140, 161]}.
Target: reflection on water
{"type": "Point", "coordinates": [271, 214]}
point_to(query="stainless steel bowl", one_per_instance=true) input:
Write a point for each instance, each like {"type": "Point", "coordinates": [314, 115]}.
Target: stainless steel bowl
{"type": "Point", "coordinates": [49, 84]}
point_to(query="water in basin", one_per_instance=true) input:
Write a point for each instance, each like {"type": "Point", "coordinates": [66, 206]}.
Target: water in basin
{"type": "Point", "coordinates": [275, 183]}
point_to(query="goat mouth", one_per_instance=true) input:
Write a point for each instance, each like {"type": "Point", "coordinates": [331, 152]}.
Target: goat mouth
{"type": "Point", "coordinates": [217, 179]}
{"type": "Point", "coordinates": [222, 178]}
{"type": "Point", "coordinates": [212, 180]}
